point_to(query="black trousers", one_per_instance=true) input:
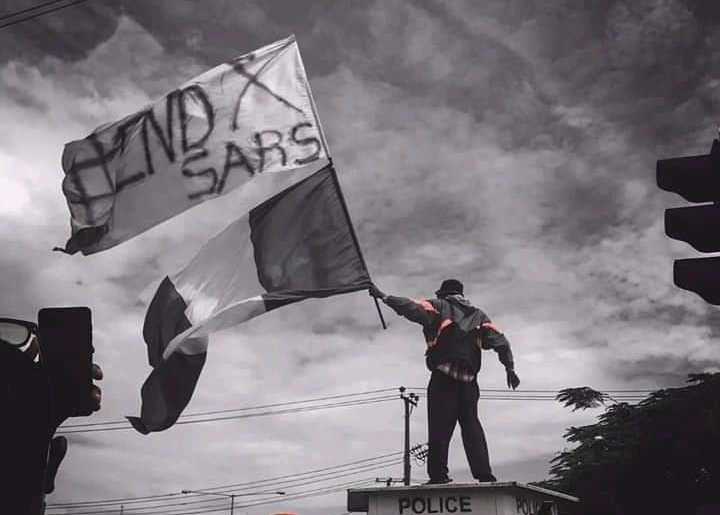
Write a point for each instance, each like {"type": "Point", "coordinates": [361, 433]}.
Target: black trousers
{"type": "Point", "coordinates": [449, 402]}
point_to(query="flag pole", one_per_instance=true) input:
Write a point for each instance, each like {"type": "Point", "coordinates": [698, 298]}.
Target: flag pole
{"type": "Point", "coordinates": [352, 233]}
{"type": "Point", "coordinates": [382, 320]}
{"type": "Point", "coordinates": [377, 306]}
{"type": "Point", "coordinates": [335, 178]}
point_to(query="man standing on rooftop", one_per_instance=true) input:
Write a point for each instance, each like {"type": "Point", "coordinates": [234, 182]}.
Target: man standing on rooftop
{"type": "Point", "coordinates": [455, 333]}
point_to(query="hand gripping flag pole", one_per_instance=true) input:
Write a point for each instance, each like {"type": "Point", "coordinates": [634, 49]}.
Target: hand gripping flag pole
{"type": "Point", "coordinates": [382, 320]}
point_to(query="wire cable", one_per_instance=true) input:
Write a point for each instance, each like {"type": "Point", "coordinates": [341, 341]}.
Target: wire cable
{"type": "Point", "coordinates": [494, 394]}
{"type": "Point", "coordinates": [149, 509]}
{"type": "Point", "coordinates": [548, 391]}
{"type": "Point", "coordinates": [505, 397]}
{"type": "Point", "coordinates": [216, 505]}
{"type": "Point", "coordinates": [313, 493]}
{"type": "Point", "coordinates": [301, 495]}
{"type": "Point", "coordinates": [37, 15]}
{"type": "Point", "coordinates": [28, 9]}
{"type": "Point", "coordinates": [359, 402]}
{"type": "Point", "coordinates": [331, 397]}
{"type": "Point", "coordinates": [246, 484]}
{"type": "Point", "coordinates": [230, 410]}
{"type": "Point", "coordinates": [255, 483]}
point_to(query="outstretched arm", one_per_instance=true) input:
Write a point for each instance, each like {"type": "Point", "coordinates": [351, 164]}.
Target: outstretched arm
{"type": "Point", "coordinates": [420, 312]}
{"type": "Point", "coordinates": [492, 338]}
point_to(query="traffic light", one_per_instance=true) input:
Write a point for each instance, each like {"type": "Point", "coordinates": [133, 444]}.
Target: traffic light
{"type": "Point", "coordinates": [65, 338]}
{"type": "Point", "coordinates": [696, 179]}
{"type": "Point", "coordinates": [46, 376]}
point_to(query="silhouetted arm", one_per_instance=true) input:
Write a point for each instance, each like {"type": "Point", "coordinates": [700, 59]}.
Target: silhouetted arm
{"type": "Point", "coordinates": [492, 338]}
{"type": "Point", "coordinates": [420, 312]}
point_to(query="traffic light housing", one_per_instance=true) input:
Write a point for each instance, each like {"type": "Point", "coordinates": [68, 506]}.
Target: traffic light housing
{"type": "Point", "coordinates": [33, 377]}
{"type": "Point", "coordinates": [65, 339]}
{"type": "Point", "coordinates": [696, 179]}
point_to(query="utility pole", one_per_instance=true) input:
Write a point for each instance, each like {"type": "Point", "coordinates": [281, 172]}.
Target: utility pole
{"type": "Point", "coordinates": [409, 400]}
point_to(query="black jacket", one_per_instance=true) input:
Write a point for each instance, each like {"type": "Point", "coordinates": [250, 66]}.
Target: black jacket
{"type": "Point", "coordinates": [454, 330]}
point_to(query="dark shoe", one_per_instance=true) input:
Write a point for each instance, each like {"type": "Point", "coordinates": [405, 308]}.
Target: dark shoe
{"type": "Point", "coordinates": [487, 478]}
{"type": "Point", "coordinates": [440, 481]}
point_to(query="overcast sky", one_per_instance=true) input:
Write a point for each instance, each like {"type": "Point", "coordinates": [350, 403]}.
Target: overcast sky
{"type": "Point", "coordinates": [508, 143]}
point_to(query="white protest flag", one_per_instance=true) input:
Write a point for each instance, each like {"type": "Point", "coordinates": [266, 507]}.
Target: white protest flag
{"type": "Point", "coordinates": [252, 115]}
{"type": "Point", "coordinates": [297, 244]}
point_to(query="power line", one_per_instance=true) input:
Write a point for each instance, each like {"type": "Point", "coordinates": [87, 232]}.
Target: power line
{"type": "Point", "coordinates": [246, 484]}
{"type": "Point", "coordinates": [253, 483]}
{"type": "Point", "coordinates": [300, 495]}
{"type": "Point", "coordinates": [176, 508]}
{"type": "Point", "coordinates": [506, 397]}
{"type": "Point", "coordinates": [148, 509]}
{"type": "Point", "coordinates": [494, 394]}
{"type": "Point", "coordinates": [313, 493]}
{"type": "Point", "coordinates": [359, 402]}
{"type": "Point", "coordinates": [214, 505]}
{"type": "Point", "coordinates": [37, 15]}
{"type": "Point", "coordinates": [230, 410]}
{"type": "Point", "coordinates": [307, 493]}
{"type": "Point", "coordinates": [548, 391]}
{"type": "Point", "coordinates": [155, 502]}
{"type": "Point", "coordinates": [23, 11]}
{"type": "Point", "coordinates": [203, 503]}
{"type": "Point", "coordinates": [166, 497]}
{"type": "Point", "coordinates": [542, 398]}
{"type": "Point", "coordinates": [517, 396]}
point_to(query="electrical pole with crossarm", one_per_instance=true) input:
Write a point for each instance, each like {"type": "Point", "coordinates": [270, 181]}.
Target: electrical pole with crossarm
{"type": "Point", "coordinates": [410, 401]}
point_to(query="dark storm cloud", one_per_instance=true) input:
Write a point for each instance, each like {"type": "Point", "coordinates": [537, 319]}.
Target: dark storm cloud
{"type": "Point", "coordinates": [634, 59]}
{"type": "Point", "coordinates": [428, 54]}
{"type": "Point", "coordinates": [25, 99]}
{"type": "Point", "coordinates": [68, 34]}
{"type": "Point", "coordinates": [509, 142]}
{"type": "Point", "coordinates": [644, 64]}
{"type": "Point", "coordinates": [641, 70]}
{"type": "Point", "coordinates": [222, 28]}
{"type": "Point", "coordinates": [212, 33]}
{"type": "Point", "coordinates": [581, 80]}
{"type": "Point", "coordinates": [373, 44]}
{"type": "Point", "coordinates": [665, 370]}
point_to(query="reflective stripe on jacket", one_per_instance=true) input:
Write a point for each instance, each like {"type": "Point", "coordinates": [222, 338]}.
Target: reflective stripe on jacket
{"type": "Point", "coordinates": [454, 330]}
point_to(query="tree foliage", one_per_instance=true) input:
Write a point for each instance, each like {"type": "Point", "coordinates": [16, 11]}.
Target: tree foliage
{"type": "Point", "coordinates": [582, 398]}
{"type": "Point", "coordinates": [659, 456]}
